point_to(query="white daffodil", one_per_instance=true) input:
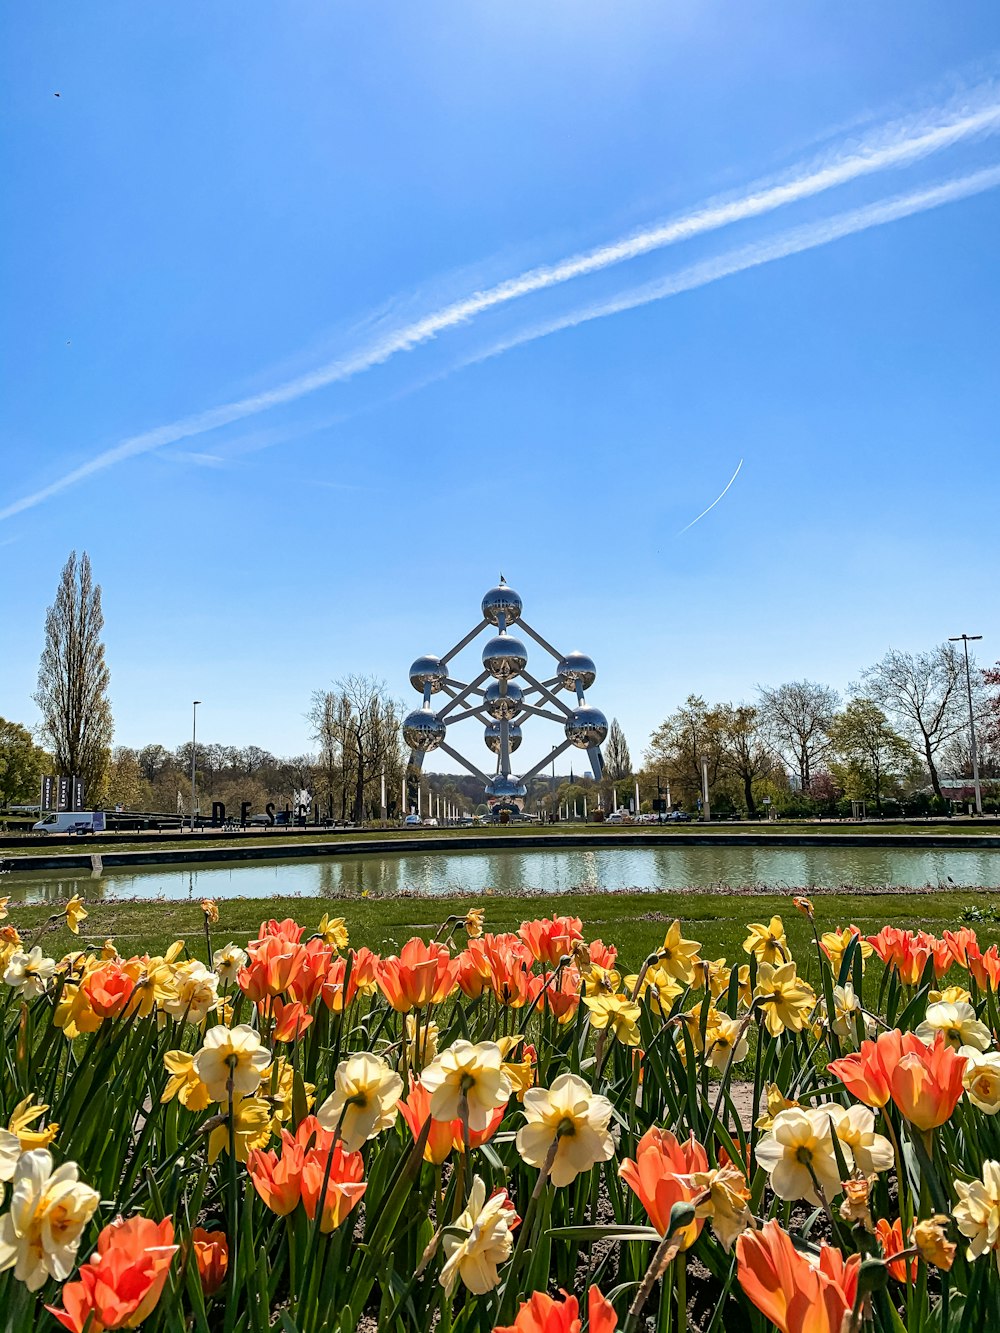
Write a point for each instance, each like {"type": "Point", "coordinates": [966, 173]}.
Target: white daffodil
{"type": "Point", "coordinates": [363, 1102]}
{"type": "Point", "coordinates": [571, 1113]}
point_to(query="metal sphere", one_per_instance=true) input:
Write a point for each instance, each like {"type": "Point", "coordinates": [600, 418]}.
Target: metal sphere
{"type": "Point", "coordinates": [428, 671]}
{"type": "Point", "coordinates": [586, 727]}
{"type": "Point", "coordinates": [504, 657]}
{"type": "Point", "coordinates": [505, 793]}
{"type": "Point", "coordinates": [576, 667]}
{"type": "Point", "coordinates": [502, 705]}
{"type": "Point", "coordinates": [492, 736]}
{"type": "Point", "coordinates": [423, 730]}
{"type": "Point", "coordinates": [502, 601]}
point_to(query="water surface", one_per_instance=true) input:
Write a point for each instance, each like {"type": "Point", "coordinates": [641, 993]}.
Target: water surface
{"type": "Point", "coordinates": [529, 870]}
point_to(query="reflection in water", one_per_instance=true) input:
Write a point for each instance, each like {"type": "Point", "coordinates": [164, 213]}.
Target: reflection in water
{"type": "Point", "coordinates": [510, 870]}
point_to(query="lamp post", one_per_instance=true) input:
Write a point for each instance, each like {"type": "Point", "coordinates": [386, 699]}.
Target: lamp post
{"type": "Point", "coordinates": [965, 640]}
{"type": "Point", "coordinates": [194, 733]}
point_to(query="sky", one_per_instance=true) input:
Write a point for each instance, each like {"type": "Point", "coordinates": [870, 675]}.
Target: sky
{"type": "Point", "coordinates": [317, 317]}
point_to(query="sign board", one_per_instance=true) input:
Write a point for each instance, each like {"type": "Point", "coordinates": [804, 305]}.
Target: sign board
{"type": "Point", "coordinates": [659, 806]}
{"type": "Point", "coordinates": [48, 792]}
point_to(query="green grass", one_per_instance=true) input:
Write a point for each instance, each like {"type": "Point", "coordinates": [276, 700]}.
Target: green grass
{"type": "Point", "coordinates": [636, 923]}
{"type": "Point", "coordinates": [127, 843]}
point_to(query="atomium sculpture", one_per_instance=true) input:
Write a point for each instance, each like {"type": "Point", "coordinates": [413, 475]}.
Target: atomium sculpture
{"type": "Point", "coordinates": [511, 698]}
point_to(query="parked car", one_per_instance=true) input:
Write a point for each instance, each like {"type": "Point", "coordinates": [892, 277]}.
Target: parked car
{"type": "Point", "coordinates": [412, 821]}
{"type": "Point", "coordinates": [430, 823]}
{"type": "Point", "coordinates": [679, 817]}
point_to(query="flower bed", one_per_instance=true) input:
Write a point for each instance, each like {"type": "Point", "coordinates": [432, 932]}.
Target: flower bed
{"type": "Point", "coordinates": [516, 1131]}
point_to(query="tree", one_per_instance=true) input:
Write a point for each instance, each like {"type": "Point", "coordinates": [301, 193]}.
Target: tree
{"type": "Point", "coordinates": [73, 680]}
{"type": "Point", "coordinates": [617, 760]}
{"type": "Point", "coordinates": [924, 693]}
{"type": "Point", "coordinates": [676, 749]}
{"type": "Point", "coordinates": [22, 764]}
{"type": "Point", "coordinates": [745, 751]}
{"type": "Point", "coordinates": [126, 785]}
{"type": "Point", "coordinates": [874, 754]}
{"type": "Point", "coordinates": [797, 716]}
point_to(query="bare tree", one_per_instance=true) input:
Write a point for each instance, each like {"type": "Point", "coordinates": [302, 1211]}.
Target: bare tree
{"type": "Point", "coordinates": [797, 716]}
{"type": "Point", "coordinates": [617, 760]}
{"type": "Point", "coordinates": [73, 680]}
{"type": "Point", "coordinates": [330, 718]}
{"type": "Point", "coordinates": [924, 694]}
{"type": "Point", "coordinates": [375, 739]}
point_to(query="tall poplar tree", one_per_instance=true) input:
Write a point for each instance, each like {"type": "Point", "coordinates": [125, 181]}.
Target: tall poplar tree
{"type": "Point", "coordinates": [73, 680]}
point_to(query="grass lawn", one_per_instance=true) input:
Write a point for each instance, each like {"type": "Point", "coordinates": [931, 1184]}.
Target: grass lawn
{"type": "Point", "coordinates": [636, 923]}
{"type": "Point", "coordinates": [137, 843]}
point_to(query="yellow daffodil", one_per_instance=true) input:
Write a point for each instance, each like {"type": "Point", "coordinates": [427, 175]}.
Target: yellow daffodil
{"type": "Point", "coordinates": [931, 1239]}
{"type": "Point", "coordinates": [785, 1000]}
{"type": "Point", "coordinates": [836, 942]}
{"type": "Point", "coordinates": [467, 1074]}
{"type": "Point", "coordinates": [658, 989]}
{"type": "Point", "coordinates": [184, 1083]}
{"type": "Point", "coordinates": [520, 1072]}
{"type": "Point", "coordinates": [728, 1203]}
{"type": "Point", "coordinates": [280, 1086]}
{"type": "Point", "coordinates": [767, 943]}
{"type": "Point", "coordinates": [677, 956]}
{"type": "Point", "coordinates": [600, 980]}
{"type": "Point", "coordinates": [776, 1102]}
{"type": "Point", "coordinates": [333, 930]}
{"type": "Point", "coordinates": [227, 962]}
{"type": "Point", "coordinates": [725, 1041]}
{"type": "Point", "coordinates": [109, 951]}
{"type": "Point", "coordinates": [75, 913]}
{"type": "Point", "coordinates": [572, 1115]}
{"type": "Point", "coordinates": [950, 995]}
{"type": "Point", "coordinates": [211, 911]}
{"type": "Point", "coordinates": [3, 908]}
{"type": "Point", "coordinates": [194, 992]}
{"type": "Point", "coordinates": [474, 919]}
{"type": "Point", "coordinates": [21, 1122]}
{"type": "Point", "coordinates": [421, 1042]}
{"type": "Point", "coordinates": [251, 1128]}
{"type": "Point", "coordinates": [618, 1013]}
{"type": "Point", "coordinates": [855, 1128]}
{"type": "Point", "coordinates": [363, 1102]}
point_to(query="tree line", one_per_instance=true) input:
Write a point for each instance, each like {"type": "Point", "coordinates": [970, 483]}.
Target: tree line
{"type": "Point", "coordinates": [798, 746]}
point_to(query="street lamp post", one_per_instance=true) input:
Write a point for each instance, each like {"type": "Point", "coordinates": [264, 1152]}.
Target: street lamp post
{"type": "Point", "coordinates": [965, 640]}
{"type": "Point", "coordinates": [194, 732]}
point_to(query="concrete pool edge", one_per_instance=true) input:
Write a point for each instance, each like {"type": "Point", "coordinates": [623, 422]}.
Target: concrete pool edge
{"type": "Point", "coordinates": [480, 842]}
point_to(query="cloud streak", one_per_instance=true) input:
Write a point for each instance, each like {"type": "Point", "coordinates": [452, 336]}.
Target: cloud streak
{"type": "Point", "coordinates": [715, 501]}
{"type": "Point", "coordinates": [895, 146]}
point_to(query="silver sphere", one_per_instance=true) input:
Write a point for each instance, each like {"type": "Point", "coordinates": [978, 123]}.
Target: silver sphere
{"type": "Point", "coordinates": [428, 671]}
{"type": "Point", "coordinates": [503, 705]}
{"type": "Point", "coordinates": [505, 793]}
{"type": "Point", "coordinates": [492, 736]}
{"type": "Point", "coordinates": [576, 667]}
{"type": "Point", "coordinates": [504, 657]}
{"type": "Point", "coordinates": [502, 601]}
{"type": "Point", "coordinates": [586, 727]}
{"type": "Point", "coordinates": [423, 730]}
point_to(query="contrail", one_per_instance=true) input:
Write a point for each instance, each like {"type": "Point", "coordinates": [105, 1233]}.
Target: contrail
{"type": "Point", "coordinates": [896, 145]}
{"type": "Point", "coordinates": [715, 501]}
{"type": "Point", "coordinates": [792, 242]}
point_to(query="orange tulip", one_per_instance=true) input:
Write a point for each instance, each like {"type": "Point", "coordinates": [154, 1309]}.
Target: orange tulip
{"type": "Point", "coordinates": [890, 1237]}
{"type": "Point", "coordinates": [512, 981]}
{"type": "Point", "coordinates": [273, 964]}
{"type": "Point", "coordinates": [603, 955]}
{"type": "Point", "coordinates": [796, 1296]}
{"type": "Point", "coordinates": [416, 1111]}
{"type": "Point", "coordinates": [959, 943]}
{"type": "Point", "coordinates": [562, 998]}
{"type": "Point", "coordinates": [545, 1314]}
{"type": "Point", "coordinates": [926, 1081]}
{"type": "Point", "coordinates": [659, 1177]}
{"type": "Point", "coordinates": [211, 1254]}
{"type": "Point", "coordinates": [278, 1180]}
{"type": "Point", "coordinates": [121, 1284]}
{"type": "Point", "coordinates": [984, 968]}
{"type": "Point", "coordinates": [331, 1183]}
{"type": "Point", "coordinates": [863, 1073]}
{"type": "Point", "coordinates": [286, 930]}
{"type": "Point", "coordinates": [290, 1020]}
{"type": "Point", "coordinates": [307, 983]}
{"type": "Point", "coordinates": [551, 940]}
{"type": "Point", "coordinates": [423, 974]}
{"type": "Point", "coordinates": [477, 1137]}
{"type": "Point", "coordinates": [108, 989]}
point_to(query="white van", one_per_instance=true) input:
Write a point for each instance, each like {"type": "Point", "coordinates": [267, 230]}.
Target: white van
{"type": "Point", "coordinates": [72, 821]}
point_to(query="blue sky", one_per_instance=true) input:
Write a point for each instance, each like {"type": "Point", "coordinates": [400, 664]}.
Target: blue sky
{"type": "Point", "coordinates": [226, 199]}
